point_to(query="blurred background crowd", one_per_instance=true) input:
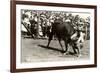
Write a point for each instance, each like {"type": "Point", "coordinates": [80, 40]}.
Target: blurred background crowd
{"type": "Point", "coordinates": [38, 23]}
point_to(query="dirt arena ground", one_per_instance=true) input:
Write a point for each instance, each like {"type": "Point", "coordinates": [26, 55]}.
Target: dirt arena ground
{"type": "Point", "coordinates": [35, 50]}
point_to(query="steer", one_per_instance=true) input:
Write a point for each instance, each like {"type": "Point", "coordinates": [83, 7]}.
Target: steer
{"type": "Point", "coordinates": [63, 31]}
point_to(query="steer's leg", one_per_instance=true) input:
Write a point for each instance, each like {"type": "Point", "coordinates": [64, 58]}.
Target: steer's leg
{"type": "Point", "coordinates": [66, 45]}
{"type": "Point", "coordinates": [50, 38]}
{"type": "Point", "coordinates": [59, 39]}
{"type": "Point", "coordinates": [74, 47]}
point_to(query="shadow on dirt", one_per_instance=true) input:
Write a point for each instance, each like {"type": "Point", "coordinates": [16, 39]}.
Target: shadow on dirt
{"type": "Point", "coordinates": [50, 48]}
{"type": "Point", "coordinates": [55, 49]}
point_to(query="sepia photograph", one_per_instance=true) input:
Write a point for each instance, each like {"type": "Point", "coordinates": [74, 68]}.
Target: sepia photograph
{"type": "Point", "coordinates": [52, 36]}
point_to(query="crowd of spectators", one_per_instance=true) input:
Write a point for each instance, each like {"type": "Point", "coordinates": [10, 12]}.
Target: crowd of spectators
{"type": "Point", "coordinates": [39, 22]}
